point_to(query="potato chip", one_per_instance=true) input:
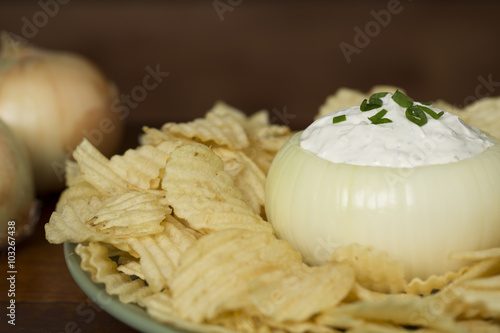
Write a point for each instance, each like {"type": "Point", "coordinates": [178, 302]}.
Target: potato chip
{"type": "Point", "coordinates": [154, 137]}
{"type": "Point", "coordinates": [476, 255]}
{"type": "Point", "coordinates": [368, 327]}
{"type": "Point", "coordinates": [265, 135]}
{"type": "Point", "coordinates": [360, 293]}
{"type": "Point", "coordinates": [95, 260]}
{"type": "Point", "coordinates": [265, 139]}
{"type": "Point", "coordinates": [483, 268]}
{"type": "Point", "coordinates": [395, 310]}
{"type": "Point", "coordinates": [247, 176]}
{"type": "Point", "coordinates": [443, 105]}
{"type": "Point", "coordinates": [220, 126]}
{"type": "Point", "coordinates": [130, 214]}
{"type": "Point", "coordinates": [486, 283]}
{"type": "Point", "coordinates": [384, 88]}
{"type": "Point", "coordinates": [202, 193]}
{"type": "Point", "coordinates": [432, 283]}
{"type": "Point", "coordinates": [94, 168]}
{"type": "Point", "coordinates": [159, 254]}
{"type": "Point", "coordinates": [132, 268]}
{"type": "Point", "coordinates": [68, 223]}
{"type": "Point", "coordinates": [303, 292]}
{"type": "Point", "coordinates": [480, 326]}
{"type": "Point", "coordinates": [202, 289]}
{"type": "Point", "coordinates": [374, 270]}
{"type": "Point", "coordinates": [159, 307]}
{"type": "Point", "coordinates": [300, 327]}
{"type": "Point", "coordinates": [490, 299]}
{"type": "Point", "coordinates": [140, 167]}
{"type": "Point", "coordinates": [345, 97]}
{"type": "Point", "coordinates": [80, 191]}
{"type": "Point", "coordinates": [484, 114]}
{"type": "Point", "coordinates": [242, 321]}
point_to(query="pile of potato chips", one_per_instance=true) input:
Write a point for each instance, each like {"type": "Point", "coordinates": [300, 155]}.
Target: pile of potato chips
{"type": "Point", "coordinates": [178, 226]}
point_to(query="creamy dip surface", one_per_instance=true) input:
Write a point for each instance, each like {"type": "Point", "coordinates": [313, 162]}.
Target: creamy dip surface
{"type": "Point", "coordinates": [400, 143]}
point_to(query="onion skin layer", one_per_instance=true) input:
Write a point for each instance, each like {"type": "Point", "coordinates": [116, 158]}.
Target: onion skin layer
{"type": "Point", "coordinates": [17, 191]}
{"type": "Point", "coordinates": [419, 215]}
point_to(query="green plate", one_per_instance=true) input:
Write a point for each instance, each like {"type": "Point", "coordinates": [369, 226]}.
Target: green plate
{"type": "Point", "coordinates": [130, 314]}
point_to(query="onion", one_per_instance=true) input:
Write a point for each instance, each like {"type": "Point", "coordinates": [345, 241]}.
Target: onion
{"type": "Point", "coordinates": [17, 195]}
{"type": "Point", "coordinates": [419, 216]}
{"type": "Point", "coordinates": [52, 100]}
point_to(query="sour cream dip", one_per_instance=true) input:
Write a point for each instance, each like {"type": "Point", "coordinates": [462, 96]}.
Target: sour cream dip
{"type": "Point", "coordinates": [399, 143]}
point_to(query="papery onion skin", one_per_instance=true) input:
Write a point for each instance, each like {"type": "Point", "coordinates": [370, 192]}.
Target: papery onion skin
{"type": "Point", "coordinates": [17, 191]}
{"type": "Point", "coordinates": [52, 100]}
{"type": "Point", "coordinates": [418, 215]}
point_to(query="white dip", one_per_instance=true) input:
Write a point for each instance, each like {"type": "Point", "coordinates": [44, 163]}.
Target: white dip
{"type": "Point", "coordinates": [400, 143]}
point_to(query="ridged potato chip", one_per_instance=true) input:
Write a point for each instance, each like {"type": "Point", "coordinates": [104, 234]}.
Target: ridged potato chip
{"type": "Point", "coordinates": [432, 283]}
{"type": "Point", "coordinates": [265, 139]}
{"type": "Point", "coordinates": [159, 253]}
{"type": "Point", "coordinates": [302, 291]}
{"type": "Point", "coordinates": [484, 114]}
{"type": "Point", "coordinates": [395, 310]}
{"type": "Point", "coordinates": [480, 326]}
{"type": "Point", "coordinates": [95, 260]}
{"type": "Point", "coordinates": [221, 125]}
{"type": "Point", "coordinates": [202, 288]}
{"type": "Point", "coordinates": [247, 176]}
{"type": "Point", "coordinates": [94, 168]}
{"type": "Point", "coordinates": [132, 268]}
{"type": "Point", "coordinates": [159, 307]}
{"type": "Point", "coordinates": [476, 255]}
{"type": "Point", "coordinates": [202, 193]}
{"type": "Point", "coordinates": [69, 222]}
{"type": "Point", "coordinates": [360, 293]}
{"type": "Point", "coordinates": [374, 270]}
{"type": "Point", "coordinates": [130, 214]}
{"type": "Point", "coordinates": [141, 167]}
{"type": "Point", "coordinates": [155, 137]}
{"type": "Point", "coordinates": [346, 97]}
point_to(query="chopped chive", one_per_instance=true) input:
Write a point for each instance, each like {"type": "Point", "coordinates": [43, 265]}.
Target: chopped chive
{"type": "Point", "coordinates": [426, 103]}
{"type": "Point", "coordinates": [374, 104]}
{"type": "Point", "coordinates": [402, 99]}
{"type": "Point", "coordinates": [430, 112]}
{"type": "Point", "coordinates": [377, 96]}
{"type": "Point", "coordinates": [338, 119]}
{"type": "Point", "coordinates": [416, 115]}
{"type": "Point", "coordinates": [379, 118]}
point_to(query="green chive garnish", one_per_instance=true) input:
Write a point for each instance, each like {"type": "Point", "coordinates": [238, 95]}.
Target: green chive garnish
{"type": "Point", "coordinates": [402, 99]}
{"type": "Point", "coordinates": [365, 106]}
{"type": "Point", "coordinates": [338, 119]}
{"type": "Point", "coordinates": [430, 112]}
{"type": "Point", "coordinates": [378, 95]}
{"type": "Point", "coordinates": [416, 115]}
{"type": "Point", "coordinates": [374, 102]}
{"type": "Point", "coordinates": [379, 118]}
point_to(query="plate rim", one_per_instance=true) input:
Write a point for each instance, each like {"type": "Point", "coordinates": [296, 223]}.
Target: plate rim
{"type": "Point", "coordinates": [130, 314]}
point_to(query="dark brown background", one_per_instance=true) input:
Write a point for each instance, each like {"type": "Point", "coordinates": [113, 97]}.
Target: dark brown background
{"type": "Point", "coordinates": [274, 55]}
{"type": "Point", "coordinates": [270, 54]}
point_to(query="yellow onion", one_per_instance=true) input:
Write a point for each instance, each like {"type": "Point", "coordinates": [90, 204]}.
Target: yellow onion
{"type": "Point", "coordinates": [52, 100]}
{"type": "Point", "coordinates": [419, 215]}
{"type": "Point", "coordinates": [17, 194]}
